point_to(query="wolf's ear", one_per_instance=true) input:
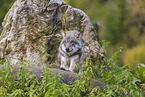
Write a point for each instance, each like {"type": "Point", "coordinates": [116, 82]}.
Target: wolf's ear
{"type": "Point", "coordinates": [77, 35]}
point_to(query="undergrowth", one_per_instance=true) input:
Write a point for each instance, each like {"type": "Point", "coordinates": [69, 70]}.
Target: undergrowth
{"type": "Point", "coordinates": [118, 81]}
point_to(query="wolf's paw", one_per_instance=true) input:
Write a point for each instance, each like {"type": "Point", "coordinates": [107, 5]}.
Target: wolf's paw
{"type": "Point", "coordinates": [63, 68]}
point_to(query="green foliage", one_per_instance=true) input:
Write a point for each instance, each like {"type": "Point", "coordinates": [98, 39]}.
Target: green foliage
{"type": "Point", "coordinates": [118, 81]}
{"type": "Point", "coordinates": [135, 55]}
{"type": "Point", "coordinates": [27, 85]}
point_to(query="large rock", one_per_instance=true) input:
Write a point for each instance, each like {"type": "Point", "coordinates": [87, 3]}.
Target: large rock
{"type": "Point", "coordinates": [32, 31]}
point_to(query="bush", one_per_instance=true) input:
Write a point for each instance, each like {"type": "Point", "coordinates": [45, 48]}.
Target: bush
{"type": "Point", "coordinates": [135, 55]}
{"type": "Point", "coordinates": [27, 85]}
{"type": "Point", "coordinates": [118, 81]}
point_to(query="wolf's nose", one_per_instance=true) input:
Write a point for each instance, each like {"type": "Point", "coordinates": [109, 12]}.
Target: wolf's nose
{"type": "Point", "coordinates": [67, 49]}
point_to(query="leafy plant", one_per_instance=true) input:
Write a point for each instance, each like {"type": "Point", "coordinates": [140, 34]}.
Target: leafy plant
{"type": "Point", "coordinates": [118, 81]}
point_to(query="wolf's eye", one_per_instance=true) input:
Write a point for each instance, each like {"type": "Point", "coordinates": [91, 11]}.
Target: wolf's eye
{"type": "Point", "coordinates": [76, 35]}
{"type": "Point", "coordinates": [72, 44]}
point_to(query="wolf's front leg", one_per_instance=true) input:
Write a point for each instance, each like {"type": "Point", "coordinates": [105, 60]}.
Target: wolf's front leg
{"type": "Point", "coordinates": [63, 65]}
{"type": "Point", "coordinates": [72, 66]}
{"type": "Point", "coordinates": [73, 62]}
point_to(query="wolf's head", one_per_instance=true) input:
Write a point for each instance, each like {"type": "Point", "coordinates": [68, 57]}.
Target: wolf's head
{"type": "Point", "coordinates": [72, 42]}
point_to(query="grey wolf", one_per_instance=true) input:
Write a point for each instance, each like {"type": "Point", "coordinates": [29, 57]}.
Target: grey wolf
{"type": "Point", "coordinates": [71, 51]}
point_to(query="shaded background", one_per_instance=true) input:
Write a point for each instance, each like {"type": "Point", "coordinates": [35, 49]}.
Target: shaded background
{"type": "Point", "coordinates": [122, 23]}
